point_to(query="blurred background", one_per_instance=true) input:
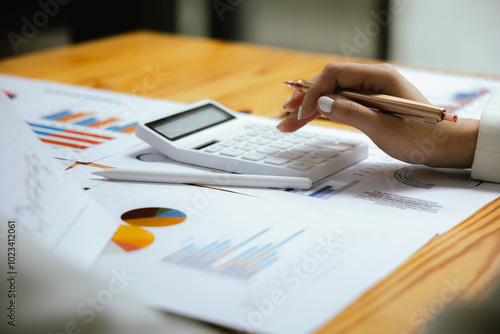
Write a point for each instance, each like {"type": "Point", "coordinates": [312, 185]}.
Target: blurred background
{"type": "Point", "coordinates": [457, 35]}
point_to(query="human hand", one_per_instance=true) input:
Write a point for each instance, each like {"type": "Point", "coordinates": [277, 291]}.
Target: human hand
{"type": "Point", "coordinates": [445, 145]}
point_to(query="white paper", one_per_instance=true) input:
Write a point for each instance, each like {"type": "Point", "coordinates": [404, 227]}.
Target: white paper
{"type": "Point", "coordinates": [464, 95]}
{"type": "Point", "coordinates": [44, 203]}
{"type": "Point", "coordinates": [311, 263]}
{"type": "Point", "coordinates": [81, 123]}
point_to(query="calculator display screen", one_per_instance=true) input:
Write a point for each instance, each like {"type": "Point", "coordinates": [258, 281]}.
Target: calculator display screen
{"type": "Point", "coordinates": [189, 122]}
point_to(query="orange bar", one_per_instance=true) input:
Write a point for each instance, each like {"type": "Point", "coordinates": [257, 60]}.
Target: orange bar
{"type": "Point", "coordinates": [77, 139]}
{"type": "Point", "coordinates": [63, 143]}
{"type": "Point", "coordinates": [129, 130]}
{"type": "Point", "coordinates": [102, 123]}
{"type": "Point", "coordinates": [71, 117]}
{"type": "Point", "coordinates": [89, 134]}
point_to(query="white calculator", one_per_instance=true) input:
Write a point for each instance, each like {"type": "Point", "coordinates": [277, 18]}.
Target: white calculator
{"type": "Point", "coordinates": [208, 134]}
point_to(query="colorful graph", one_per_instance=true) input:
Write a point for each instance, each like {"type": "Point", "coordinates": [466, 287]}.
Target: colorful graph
{"type": "Point", "coordinates": [65, 137]}
{"type": "Point", "coordinates": [89, 119]}
{"type": "Point", "coordinates": [153, 217]}
{"type": "Point", "coordinates": [325, 188]}
{"type": "Point", "coordinates": [461, 98]}
{"type": "Point", "coordinates": [130, 238]}
{"type": "Point", "coordinates": [240, 260]}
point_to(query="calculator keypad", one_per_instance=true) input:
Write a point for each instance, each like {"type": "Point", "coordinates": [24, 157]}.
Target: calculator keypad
{"type": "Point", "coordinates": [299, 150]}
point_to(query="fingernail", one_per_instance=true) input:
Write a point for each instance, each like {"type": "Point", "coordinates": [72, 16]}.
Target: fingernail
{"type": "Point", "coordinates": [279, 124]}
{"type": "Point", "coordinates": [286, 101]}
{"type": "Point", "coordinates": [299, 113]}
{"type": "Point", "coordinates": [325, 104]}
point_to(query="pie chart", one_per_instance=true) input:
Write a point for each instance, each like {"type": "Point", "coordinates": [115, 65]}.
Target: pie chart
{"type": "Point", "coordinates": [130, 238]}
{"type": "Point", "coordinates": [153, 217]}
{"type": "Point", "coordinates": [134, 235]}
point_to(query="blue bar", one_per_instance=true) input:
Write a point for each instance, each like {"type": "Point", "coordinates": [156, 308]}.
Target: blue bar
{"type": "Point", "coordinates": [251, 238]}
{"type": "Point", "coordinates": [45, 127]}
{"type": "Point", "coordinates": [286, 240]}
{"type": "Point", "coordinates": [325, 193]}
{"type": "Point", "coordinates": [193, 258]}
{"type": "Point", "coordinates": [212, 254]}
{"type": "Point", "coordinates": [338, 191]}
{"type": "Point", "coordinates": [317, 192]}
{"type": "Point", "coordinates": [58, 115]}
{"type": "Point", "coordinates": [86, 121]}
{"type": "Point", "coordinates": [224, 246]}
{"type": "Point", "coordinates": [42, 133]}
{"type": "Point", "coordinates": [187, 249]}
{"type": "Point", "coordinates": [119, 128]}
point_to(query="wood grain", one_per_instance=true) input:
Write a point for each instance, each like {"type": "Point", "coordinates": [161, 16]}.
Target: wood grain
{"type": "Point", "coordinates": [462, 264]}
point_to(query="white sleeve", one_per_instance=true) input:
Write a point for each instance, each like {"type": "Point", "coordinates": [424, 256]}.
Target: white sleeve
{"type": "Point", "coordinates": [486, 164]}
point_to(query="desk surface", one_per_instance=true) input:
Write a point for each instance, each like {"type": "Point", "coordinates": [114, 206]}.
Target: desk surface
{"type": "Point", "coordinates": [462, 264]}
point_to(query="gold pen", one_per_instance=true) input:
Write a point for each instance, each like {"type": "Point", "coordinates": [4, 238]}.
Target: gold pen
{"type": "Point", "coordinates": [413, 110]}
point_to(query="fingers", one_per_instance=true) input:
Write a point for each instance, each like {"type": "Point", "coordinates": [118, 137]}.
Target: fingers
{"type": "Point", "coordinates": [294, 101]}
{"type": "Point", "coordinates": [292, 123]}
{"type": "Point", "coordinates": [378, 78]}
{"type": "Point", "coordinates": [341, 110]}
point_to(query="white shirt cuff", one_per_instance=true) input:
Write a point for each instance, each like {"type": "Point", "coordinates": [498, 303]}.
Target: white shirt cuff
{"type": "Point", "coordinates": [486, 164]}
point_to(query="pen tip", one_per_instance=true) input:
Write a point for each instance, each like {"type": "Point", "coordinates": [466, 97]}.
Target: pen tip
{"type": "Point", "coordinates": [98, 173]}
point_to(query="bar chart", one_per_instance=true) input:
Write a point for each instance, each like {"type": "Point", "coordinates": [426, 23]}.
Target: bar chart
{"type": "Point", "coordinates": [92, 120]}
{"type": "Point", "coordinates": [63, 136]}
{"type": "Point", "coordinates": [325, 189]}
{"type": "Point", "coordinates": [240, 260]}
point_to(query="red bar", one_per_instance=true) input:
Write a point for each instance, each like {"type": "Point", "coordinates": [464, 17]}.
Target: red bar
{"type": "Point", "coordinates": [77, 139]}
{"type": "Point", "coordinates": [62, 143]}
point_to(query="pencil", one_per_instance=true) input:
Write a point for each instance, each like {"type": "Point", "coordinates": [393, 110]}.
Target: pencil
{"type": "Point", "coordinates": [417, 111]}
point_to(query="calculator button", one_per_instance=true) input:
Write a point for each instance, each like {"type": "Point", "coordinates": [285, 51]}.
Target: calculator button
{"type": "Point", "coordinates": [330, 139]}
{"type": "Point", "coordinates": [337, 147]}
{"type": "Point", "coordinates": [316, 142]}
{"type": "Point", "coordinates": [272, 135]}
{"type": "Point", "coordinates": [213, 149]}
{"type": "Point", "coordinates": [304, 148]}
{"type": "Point", "coordinates": [276, 161]}
{"type": "Point", "coordinates": [246, 147]}
{"type": "Point", "coordinates": [315, 159]}
{"type": "Point", "coordinates": [227, 143]}
{"type": "Point", "coordinates": [292, 155]}
{"type": "Point", "coordinates": [300, 165]}
{"type": "Point", "coordinates": [241, 138]}
{"type": "Point", "coordinates": [231, 152]}
{"type": "Point", "coordinates": [352, 142]}
{"type": "Point", "coordinates": [293, 139]}
{"type": "Point", "coordinates": [307, 135]}
{"type": "Point", "coordinates": [259, 141]}
{"type": "Point", "coordinates": [326, 153]}
{"type": "Point", "coordinates": [253, 156]}
{"type": "Point", "coordinates": [253, 133]}
{"type": "Point", "coordinates": [267, 150]}
{"type": "Point", "coordinates": [281, 145]}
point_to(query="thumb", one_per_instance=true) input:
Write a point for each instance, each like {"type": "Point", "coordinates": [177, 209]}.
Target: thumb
{"type": "Point", "coordinates": [342, 110]}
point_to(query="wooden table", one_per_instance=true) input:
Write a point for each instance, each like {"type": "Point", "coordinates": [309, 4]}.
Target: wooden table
{"type": "Point", "coordinates": [462, 264]}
